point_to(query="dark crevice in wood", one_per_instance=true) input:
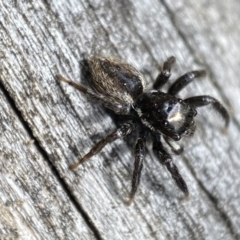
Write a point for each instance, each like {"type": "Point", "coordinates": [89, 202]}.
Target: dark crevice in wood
{"type": "Point", "coordinates": [64, 185]}
{"type": "Point", "coordinates": [214, 200]}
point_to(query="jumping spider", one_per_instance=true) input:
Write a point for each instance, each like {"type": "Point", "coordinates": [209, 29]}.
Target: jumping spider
{"type": "Point", "coordinates": [121, 88]}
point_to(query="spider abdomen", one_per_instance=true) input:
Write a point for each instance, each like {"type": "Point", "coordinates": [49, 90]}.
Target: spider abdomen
{"type": "Point", "coordinates": [118, 81]}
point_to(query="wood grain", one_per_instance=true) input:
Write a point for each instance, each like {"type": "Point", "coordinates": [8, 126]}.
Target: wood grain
{"type": "Point", "coordinates": [47, 125]}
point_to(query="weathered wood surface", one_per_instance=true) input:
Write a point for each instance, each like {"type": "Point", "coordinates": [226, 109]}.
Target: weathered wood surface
{"type": "Point", "coordinates": [40, 197]}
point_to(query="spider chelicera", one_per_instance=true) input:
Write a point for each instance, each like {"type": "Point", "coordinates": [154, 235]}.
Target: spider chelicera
{"type": "Point", "coordinates": [121, 88]}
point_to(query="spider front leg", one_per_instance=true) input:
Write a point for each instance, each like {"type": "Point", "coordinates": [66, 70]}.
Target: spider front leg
{"type": "Point", "coordinates": [121, 132]}
{"type": "Point", "coordinates": [116, 107]}
{"type": "Point", "coordinates": [139, 153]}
{"type": "Point", "coordinates": [200, 101]}
{"type": "Point", "coordinates": [166, 160]}
{"type": "Point", "coordinates": [165, 74]}
{"type": "Point", "coordinates": [184, 80]}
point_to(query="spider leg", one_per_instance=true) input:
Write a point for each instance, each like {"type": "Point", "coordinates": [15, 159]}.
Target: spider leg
{"type": "Point", "coordinates": [165, 74]}
{"type": "Point", "coordinates": [116, 107]}
{"type": "Point", "coordinates": [176, 148]}
{"type": "Point", "coordinates": [139, 153]}
{"type": "Point", "coordinates": [166, 160]}
{"type": "Point", "coordinates": [184, 80]}
{"type": "Point", "coordinates": [121, 132]}
{"type": "Point", "coordinates": [200, 101]}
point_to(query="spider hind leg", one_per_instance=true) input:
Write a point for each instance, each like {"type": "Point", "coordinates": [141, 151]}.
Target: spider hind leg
{"type": "Point", "coordinates": [121, 132]}
{"type": "Point", "coordinates": [139, 152]}
{"type": "Point", "coordinates": [165, 74]}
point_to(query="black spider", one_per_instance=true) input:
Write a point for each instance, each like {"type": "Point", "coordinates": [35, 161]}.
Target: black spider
{"type": "Point", "coordinates": [121, 88]}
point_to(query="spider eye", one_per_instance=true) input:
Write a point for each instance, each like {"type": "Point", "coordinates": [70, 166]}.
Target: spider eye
{"type": "Point", "coordinates": [168, 107]}
{"type": "Point", "coordinates": [165, 123]}
{"type": "Point", "coordinates": [176, 137]}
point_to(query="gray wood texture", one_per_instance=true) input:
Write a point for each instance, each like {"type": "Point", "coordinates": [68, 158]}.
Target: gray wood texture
{"type": "Point", "coordinates": [46, 125]}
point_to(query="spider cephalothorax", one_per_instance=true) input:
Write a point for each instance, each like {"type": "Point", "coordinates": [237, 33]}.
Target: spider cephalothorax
{"type": "Point", "coordinates": [121, 88]}
{"type": "Point", "coordinates": [166, 114]}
